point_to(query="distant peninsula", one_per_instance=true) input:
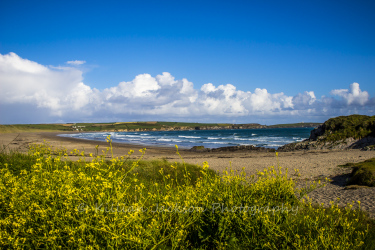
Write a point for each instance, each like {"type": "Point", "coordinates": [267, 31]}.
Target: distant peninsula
{"type": "Point", "coordinates": [142, 126]}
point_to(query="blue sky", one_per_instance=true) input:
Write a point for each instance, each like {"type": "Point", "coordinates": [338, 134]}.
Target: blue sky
{"type": "Point", "coordinates": [310, 60]}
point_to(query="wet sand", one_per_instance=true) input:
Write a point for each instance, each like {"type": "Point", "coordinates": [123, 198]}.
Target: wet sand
{"type": "Point", "coordinates": [312, 165]}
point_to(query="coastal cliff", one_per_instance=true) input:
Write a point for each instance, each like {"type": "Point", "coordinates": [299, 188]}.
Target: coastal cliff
{"type": "Point", "coordinates": [343, 132]}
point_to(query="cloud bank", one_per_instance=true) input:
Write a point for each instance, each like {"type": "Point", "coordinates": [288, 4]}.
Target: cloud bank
{"type": "Point", "coordinates": [34, 93]}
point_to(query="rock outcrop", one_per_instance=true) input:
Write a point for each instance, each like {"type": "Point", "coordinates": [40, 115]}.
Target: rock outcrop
{"type": "Point", "coordinates": [343, 132]}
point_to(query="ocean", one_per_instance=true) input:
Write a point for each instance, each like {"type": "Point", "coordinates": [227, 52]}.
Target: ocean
{"type": "Point", "coordinates": [269, 138]}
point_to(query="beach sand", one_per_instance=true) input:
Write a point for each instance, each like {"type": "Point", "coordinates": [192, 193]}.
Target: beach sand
{"type": "Point", "coordinates": [312, 165]}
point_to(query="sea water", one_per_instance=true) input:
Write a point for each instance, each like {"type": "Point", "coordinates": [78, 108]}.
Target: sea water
{"type": "Point", "coordinates": [269, 138]}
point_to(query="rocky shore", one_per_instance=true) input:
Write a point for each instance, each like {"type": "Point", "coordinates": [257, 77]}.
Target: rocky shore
{"type": "Point", "coordinates": [232, 149]}
{"type": "Point", "coordinates": [366, 143]}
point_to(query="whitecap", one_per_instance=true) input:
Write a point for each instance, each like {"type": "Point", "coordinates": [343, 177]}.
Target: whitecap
{"type": "Point", "coordinates": [162, 139]}
{"type": "Point", "coordinates": [190, 137]}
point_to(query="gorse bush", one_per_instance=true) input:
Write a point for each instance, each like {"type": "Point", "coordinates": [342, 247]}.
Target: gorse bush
{"type": "Point", "coordinates": [48, 201]}
{"type": "Point", "coordinates": [355, 126]}
{"type": "Point", "coordinates": [363, 173]}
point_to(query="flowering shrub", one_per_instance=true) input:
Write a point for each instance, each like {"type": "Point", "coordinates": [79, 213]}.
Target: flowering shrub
{"type": "Point", "coordinates": [94, 203]}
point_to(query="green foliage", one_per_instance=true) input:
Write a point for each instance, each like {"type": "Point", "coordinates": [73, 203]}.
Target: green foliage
{"type": "Point", "coordinates": [198, 148]}
{"type": "Point", "coordinates": [141, 125]}
{"type": "Point", "coordinates": [117, 126]}
{"type": "Point", "coordinates": [33, 127]}
{"type": "Point", "coordinates": [363, 173]}
{"type": "Point", "coordinates": [16, 162]}
{"type": "Point", "coordinates": [94, 203]}
{"type": "Point", "coordinates": [355, 126]}
{"type": "Point", "coordinates": [149, 171]}
{"type": "Point", "coordinates": [104, 126]}
{"type": "Point", "coordinates": [187, 124]}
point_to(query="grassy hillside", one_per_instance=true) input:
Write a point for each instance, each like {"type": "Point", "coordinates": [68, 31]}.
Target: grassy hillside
{"type": "Point", "coordinates": [131, 126]}
{"type": "Point", "coordinates": [342, 127]}
{"type": "Point", "coordinates": [117, 126]}
{"type": "Point", "coordinates": [34, 127]}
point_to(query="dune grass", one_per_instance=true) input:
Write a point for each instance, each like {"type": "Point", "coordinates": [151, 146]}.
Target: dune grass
{"type": "Point", "coordinates": [49, 201]}
{"type": "Point", "coordinates": [363, 173]}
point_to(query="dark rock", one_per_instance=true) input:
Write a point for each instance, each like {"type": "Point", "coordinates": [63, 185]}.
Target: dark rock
{"type": "Point", "coordinates": [199, 149]}
{"type": "Point", "coordinates": [366, 142]}
{"type": "Point", "coordinates": [232, 149]}
{"type": "Point", "coordinates": [319, 131]}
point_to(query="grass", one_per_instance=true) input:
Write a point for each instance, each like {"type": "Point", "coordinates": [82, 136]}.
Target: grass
{"type": "Point", "coordinates": [363, 173]}
{"type": "Point", "coordinates": [32, 128]}
{"type": "Point", "coordinates": [103, 126]}
{"type": "Point", "coordinates": [49, 201]}
{"type": "Point", "coordinates": [118, 126]}
{"type": "Point", "coordinates": [353, 126]}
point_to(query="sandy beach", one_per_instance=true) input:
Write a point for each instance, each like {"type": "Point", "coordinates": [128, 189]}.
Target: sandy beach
{"type": "Point", "coordinates": [312, 165]}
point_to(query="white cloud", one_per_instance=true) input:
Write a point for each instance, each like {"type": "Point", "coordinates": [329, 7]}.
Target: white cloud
{"type": "Point", "coordinates": [353, 96]}
{"type": "Point", "coordinates": [303, 100]}
{"type": "Point", "coordinates": [76, 62]}
{"type": "Point", "coordinates": [61, 93]}
{"type": "Point", "coordinates": [208, 87]}
{"type": "Point", "coordinates": [24, 81]}
{"type": "Point", "coordinates": [165, 79]}
{"type": "Point", "coordinates": [12, 63]}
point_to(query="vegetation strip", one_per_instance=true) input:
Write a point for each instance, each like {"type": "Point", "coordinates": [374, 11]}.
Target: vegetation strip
{"type": "Point", "coordinates": [48, 201]}
{"type": "Point", "coordinates": [140, 126]}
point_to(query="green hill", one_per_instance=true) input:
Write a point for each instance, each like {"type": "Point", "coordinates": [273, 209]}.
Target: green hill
{"type": "Point", "coordinates": [343, 127]}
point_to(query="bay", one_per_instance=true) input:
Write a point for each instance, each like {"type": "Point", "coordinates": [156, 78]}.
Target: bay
{"type": "Point", "coordinates": [269, 138]}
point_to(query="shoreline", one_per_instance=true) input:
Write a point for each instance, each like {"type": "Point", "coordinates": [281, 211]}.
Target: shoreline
{"type": "Point", "coordinates": [113, 143]}
{"type": "Point", "coordinates": [304, 158]}
{"type": "Point", "coordinates": [312, 165]}
{"type": "Point", "coordinates": [207, 141]}
{"type": "Point", "coordinates": [181, 148]}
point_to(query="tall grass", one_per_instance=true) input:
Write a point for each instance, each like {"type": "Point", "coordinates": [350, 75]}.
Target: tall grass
{"type": "Point", "coordinates": [48, 201]}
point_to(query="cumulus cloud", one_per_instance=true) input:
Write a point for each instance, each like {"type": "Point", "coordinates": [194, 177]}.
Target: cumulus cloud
{"type": "Point", "coordinates": [76, 62]}
{"type": "Point", "coordinates": [304, 100]}
{"type": "Point", "coordinates": [24, 81]}
{"type": "Point", "coordinates": [353, 96]}
{"type": "Point", "coordinates": [58, 93]}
